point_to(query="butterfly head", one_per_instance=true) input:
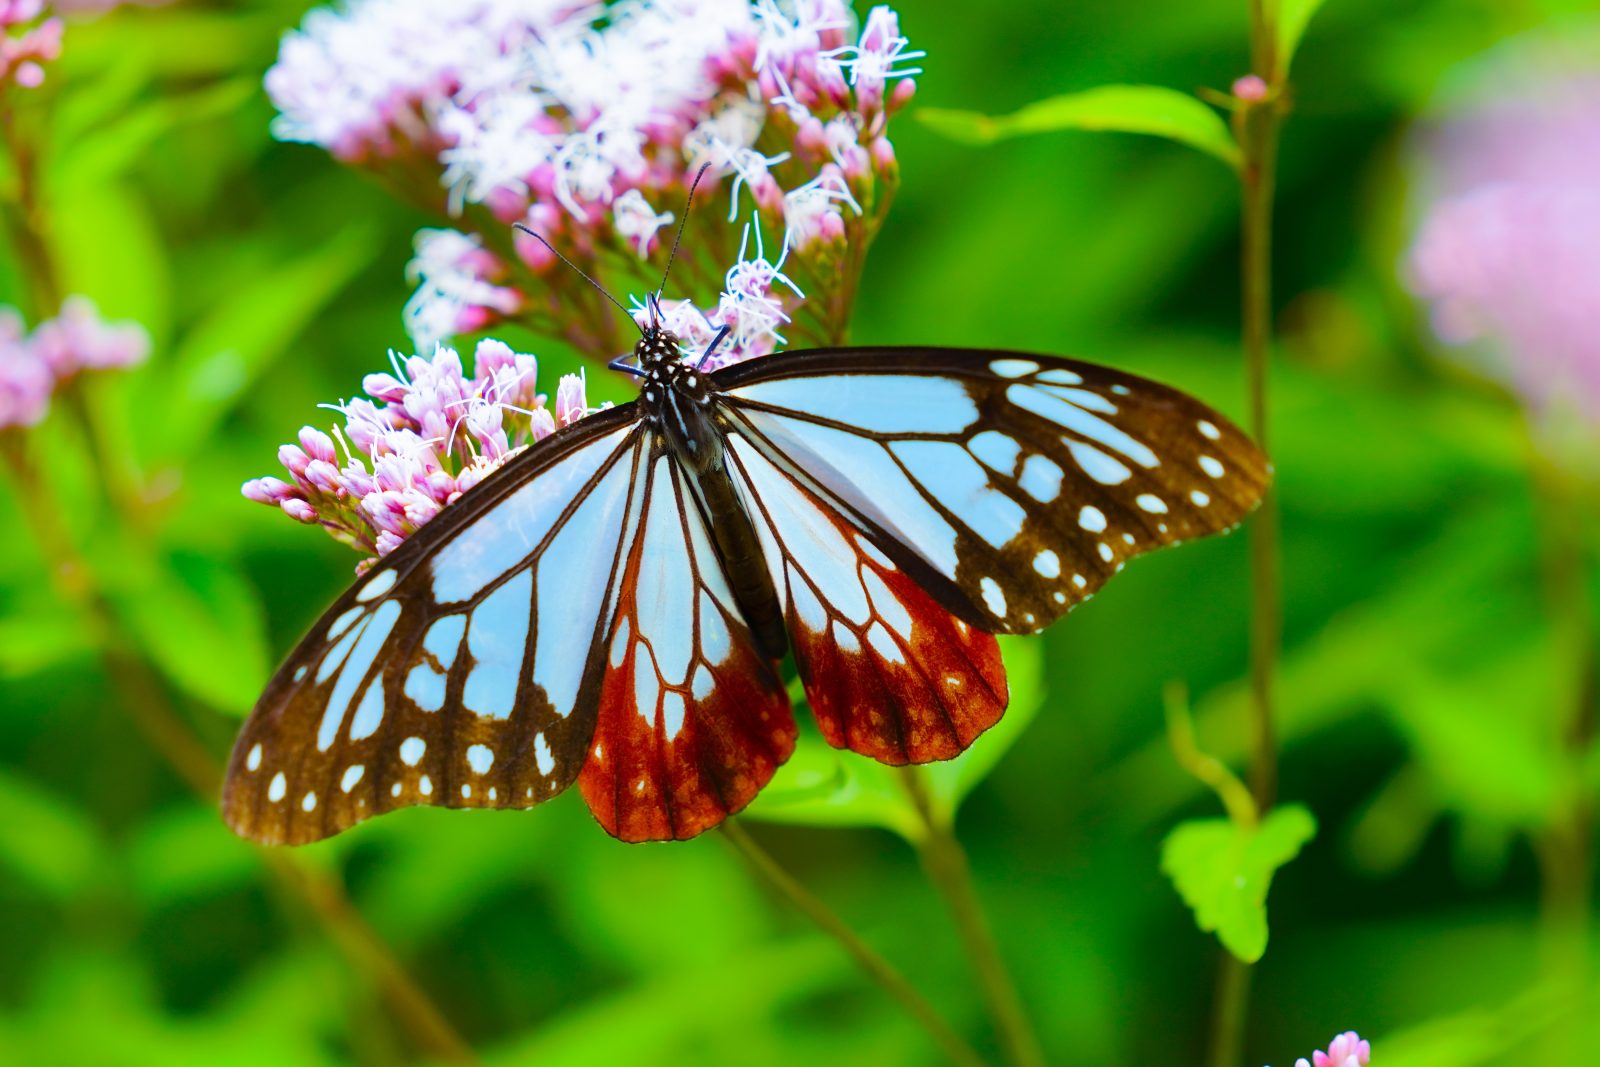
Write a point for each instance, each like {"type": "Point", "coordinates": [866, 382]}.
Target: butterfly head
{"type": "Point", "coordinates": [658, 348]}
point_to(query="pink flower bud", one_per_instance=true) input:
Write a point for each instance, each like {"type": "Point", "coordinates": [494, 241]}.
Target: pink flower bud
{"type": "Point", "coordinates": [1250, 89]}
{"type": "Point", "coordinates": [299, 511]}
{"type": "Point", "coordinates": [317, 444]}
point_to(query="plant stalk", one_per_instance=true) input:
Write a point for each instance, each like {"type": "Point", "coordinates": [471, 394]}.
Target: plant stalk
{"type": "Point", "coordinates": [876, 967]}
{"type": "Point", "coordinates": [947, 867]}
{"type": "Point", "coordinates": [1256, 127]}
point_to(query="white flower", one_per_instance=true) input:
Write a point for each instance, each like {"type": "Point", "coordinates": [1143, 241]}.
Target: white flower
{"type": "Point", "coordinates": [636, 221]}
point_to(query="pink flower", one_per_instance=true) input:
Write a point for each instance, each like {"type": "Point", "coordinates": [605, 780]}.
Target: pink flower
{"type": "Point", "coordinates": [1250, 88]}
{"type": "Point", "coordinates": [428, 434]}
{"type": "Point", "coordinates": [1346, 1050]}
{"type": "Point", "coordinates": [1508, 250]}
{"type": "Point", "coordinates": [587, 125]}
{"type": "Point", "coordinates": [25, 48]}
{"type": "Point", "coordinates": [25, 379]}
{"type": "Point", "coordinates": [77, 341]}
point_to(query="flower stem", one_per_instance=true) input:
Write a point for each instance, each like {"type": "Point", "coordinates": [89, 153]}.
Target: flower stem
{"type": "Point", "coordinates": [1256, 128]}
{"type": "Point", "coordinates": [870, 961]}
{"type": "Point", "coordinates": [947, 867]}
{"type": "Point", "coordinates": [1565, 847]}
{"type": "Point", "coordinates": [146, 702]}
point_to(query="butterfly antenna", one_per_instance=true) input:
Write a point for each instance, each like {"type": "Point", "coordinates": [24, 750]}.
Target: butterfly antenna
{"type": "Point", "coordinates": [688, 202]}
{"type": "Point", "coordinates": [598, 287]}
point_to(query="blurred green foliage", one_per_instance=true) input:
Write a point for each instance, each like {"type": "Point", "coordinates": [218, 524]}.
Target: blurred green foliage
{"type": "Point", "coordinates": [1428, 665]}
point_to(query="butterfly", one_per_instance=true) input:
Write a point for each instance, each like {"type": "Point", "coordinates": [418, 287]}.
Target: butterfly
{"type": "Point", "coordinates": [611, 606]}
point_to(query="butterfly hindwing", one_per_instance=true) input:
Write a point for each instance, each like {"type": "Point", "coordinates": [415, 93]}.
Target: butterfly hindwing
{"type": "Point", "coordinates": [463, 669]}
{"type": "Point", "coordinates": [1009, 486]}
{"type": "Point", "coordinates": [693, 721]}
{"type": "Point", "coordinates": [887, 671]}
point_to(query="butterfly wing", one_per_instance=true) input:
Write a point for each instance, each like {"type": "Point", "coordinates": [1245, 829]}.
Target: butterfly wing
{"type": "Point", "coordinates": [464, 670]}
{"type": "Point", "coordinates": [1008, 486]}
{"type": "Point", "coordinates": [888, 672]}
{"type": "Point", "coordinates": [693, 720]}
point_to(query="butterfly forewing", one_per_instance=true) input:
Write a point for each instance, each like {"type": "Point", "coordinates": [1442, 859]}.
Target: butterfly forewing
{"type": "Point", "coordinates": [463, 670]}
{"type": "Point", "coordinates": [693, 721]}
{"type": "Point", "coordinates": [1009, 486]}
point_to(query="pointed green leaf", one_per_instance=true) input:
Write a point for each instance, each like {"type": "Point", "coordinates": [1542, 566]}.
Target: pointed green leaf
{"type": "Point", "coordinates": [1293, 17]}
{"type": "Point", "coordinates": [1146, 109]}
{"type": "Point", "coordinates": [1223, 870]}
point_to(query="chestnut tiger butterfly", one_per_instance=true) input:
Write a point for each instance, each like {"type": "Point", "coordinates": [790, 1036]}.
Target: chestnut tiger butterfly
{"type": "Point", "coordinates": [612, 605]}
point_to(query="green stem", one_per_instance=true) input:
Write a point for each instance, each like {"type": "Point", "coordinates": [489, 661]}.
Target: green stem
{"type": "Point", "coordinates": [1565, 847]}
{"type": "Point", "coordinates": [947, 867]}
{"type": "Point", "coordinates": [1256, 127]}
{"type": "Point", "coordinates": [147, 704]}
{"type": "Point", "coordinates": [870, 961]}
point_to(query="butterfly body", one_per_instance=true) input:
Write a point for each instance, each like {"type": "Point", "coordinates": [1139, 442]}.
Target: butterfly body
{"type": "Point", "coordinates": [677, 403]}
{"type": "Point", "coordinates": [609, 608]}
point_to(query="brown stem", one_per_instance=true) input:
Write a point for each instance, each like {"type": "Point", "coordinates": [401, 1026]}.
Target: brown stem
{"type": "Point", "coordinates": [945, 862]}
{"type": "Point", "coordinates": [867, 958]}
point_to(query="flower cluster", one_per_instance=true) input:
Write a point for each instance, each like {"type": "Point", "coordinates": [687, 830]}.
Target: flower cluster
{"type": "Point", "coordinates": [28, 41]}
{"type": "Point", "coordinates": [33, 366]}
{"type": "Point", "coordinates": [1508, 250]}
{"type": "Point", "coordinates": [424, 435]}
{"type": "Point", "coordinates": [1346, 1050]}
{"type": "Point", "coordinates": [587, 123]}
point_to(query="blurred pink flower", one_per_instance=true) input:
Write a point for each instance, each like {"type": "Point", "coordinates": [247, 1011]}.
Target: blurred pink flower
{"type": "Point", "coordinates": [424, 435]}
{"type": "Point", "coordinates": [1346, 1050]}
{"type": "Point", "coordinates": [1508, 250]}
{"type": "Point", "coordinates": [28, 41]}
{"type": "Point", "coordinates": [33, 366]}
{"type": "Point", "coordinates": [586, 123]}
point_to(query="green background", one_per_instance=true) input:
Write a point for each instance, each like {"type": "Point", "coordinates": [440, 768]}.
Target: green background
{"type": "Point", "coordinates": [1427, 666]}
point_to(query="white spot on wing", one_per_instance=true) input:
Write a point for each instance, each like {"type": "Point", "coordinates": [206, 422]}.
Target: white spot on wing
{"type": "Point", "coordinates": [253, 760]}
{"type": "Point", "coordinates": [998, 451]}
{"type": "Point", "coordinates": [883, 644]}
{"type": "Point", "coordinates": [1211, 466]}
{"type": "Point", "coordinates": [373, 634]}
{"type": "Point", "coordinates": [887, 605]}
{"type": "Point", "coordinates": [645, 686]}
{"type": "Point", "coordinates": [1060, 376]}
{"type": "Point", "coordinates": [480, 758]}
{"type": "Point", "coordinates": [993, 597]}
{"type": "Point", "coordinates": [425, 687]}
{"type": "Point", "coordinates": [1209, 430]}
{"type": "Point", "coordinates": [716, 644]}
{"type": "Point", "coordinates": [1105, 551]}
{"type": "Point", "coordinates": [672, 713]}
{"type": "Point", "coordinates": [1013, 368]}
{"type": "Point", "coordinates": [411, 750]}
{"type": "Point", "coordinates": [619, 642]}
{"type": "Point", "coordinates": [277, 788]}
{"type": "Point", "coordinates": [1096, 464]}
{"type": "Point", "coordinates": [703, 683]}
{"type": "Point", "coordinates": [845, 638]}
{"type": "Point", "coordinates": [352, 775]}
{"type": "Point", "coordinates": [377, 585]}
{"type": "Point", "coordinates": [308, 802]}
{"type": "Point", "coordinates": [543, 757]}
{"type": "Point", "coordinates": [1200, 499]}
{"type": "Point", "coordinates": [425, 786]}
{"type": "Point", "coordinates": [369, 713]}
{"type": "Point", "coordinates": [1048, 564]}
{"type": "Point", "coordinates": [342, 623]}
{"type": "Point", "coordinates": [1152, 503]}
{"type": "Point", "coordinates": [1040, 479]}
{"type": "Point", "coordinates": [1092, 519]}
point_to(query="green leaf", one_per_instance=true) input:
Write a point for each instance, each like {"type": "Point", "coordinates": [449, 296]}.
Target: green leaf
{"type": "Point", "coordinates": [230, 348]}
{"type": "Point", "coordinates": [1293, 17]}
{"type": "Point", "coordinates": [1223, 870]}
{"type": "Point", "coordinates": [1147, 109]}
{"type": "Point", "coordinates": [200, 624]}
